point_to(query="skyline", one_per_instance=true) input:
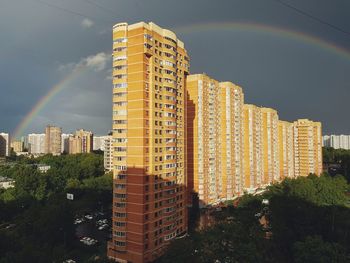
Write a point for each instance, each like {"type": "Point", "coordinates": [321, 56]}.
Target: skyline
{"type": "Point", "coordinates": [257, 60]}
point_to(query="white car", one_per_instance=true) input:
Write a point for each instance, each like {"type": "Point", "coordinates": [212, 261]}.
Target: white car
{"type": "Point", "coordinates": [77, 221]}
{"type": "Point", "coordinates": [88, 217]}
{"type": "Point", "coordinates": [88, 241]}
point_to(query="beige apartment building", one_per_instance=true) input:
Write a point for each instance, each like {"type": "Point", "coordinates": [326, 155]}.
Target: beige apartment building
{"type": "Point", "coordinates": [17, 146]}
{"type": "Point", "coordinates": [53, 140]}
{"type": "Point", "coordinates": [204, 138]}
{"type": "Point", "coordinates": [270, 145]}
{"type": "Point", "coordinates": [150, 65]}
{"type": "Point", "coordinates": [231, 111]}
{"type": "Point", "coordinates": [286, 149]}
{"type": "Point", "coordinates": [253, 147]}
{"type": "Point", "coordinates": [307, 147]}
{"type": "Point", "coordinates": [215, 144]}
{"type": "Point", "coordinates": [81, 142]}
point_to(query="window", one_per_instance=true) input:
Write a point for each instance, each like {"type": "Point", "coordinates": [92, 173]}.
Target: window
{"type": "Point", "coordinates": [120, 85]}
{"type": "Point", "coordinates": [120, 40]}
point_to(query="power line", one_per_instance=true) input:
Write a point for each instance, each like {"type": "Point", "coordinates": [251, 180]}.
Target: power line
{"type": "Point", "coordinates": [99, 6]}
{"type": "Point", "coordinates": [304, 13]}
{"type": "Point", "coordinates": [71, 11]}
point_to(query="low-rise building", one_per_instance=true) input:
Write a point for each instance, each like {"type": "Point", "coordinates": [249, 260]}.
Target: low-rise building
{"type": "Point", "coordinates": [6, 183]}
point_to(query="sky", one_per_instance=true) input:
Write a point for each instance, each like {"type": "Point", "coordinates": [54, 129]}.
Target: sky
{"type": "Point", "coordinates": [44, 43]}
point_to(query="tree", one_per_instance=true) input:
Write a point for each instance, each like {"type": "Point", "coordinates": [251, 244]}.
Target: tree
{"type": "Point", "coordinates": [314, 250]}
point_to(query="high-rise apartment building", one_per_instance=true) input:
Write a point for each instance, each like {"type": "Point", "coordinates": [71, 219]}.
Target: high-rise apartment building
{"type": "Point", "coordinates": [150, 195]}
{"type": "Point", "coordinates": [232, 147]}
{"type": "Point", "coordinates": [215, 144]}
{"type": "Point", "coordinates": [286, 149]}
{"type": "Point", "coordinates": [307, 147]}
{"type": "Point", "coordinates": [53, 140]}
{"type": "Point", "coordinates": [253, 147]}
{"type": "Point", "coordinates": [81, 142]}
{"type": "Point", "coordinates": [24, 140]}
{"type": "Point", "coordinates": [108, 153]}
{"type": "Point", "coordinates": [17, 146]}
{"type": "Point", "coordinates": [270, 146]}
{"type": "Point", "coordinates": [4, 144]}
{"type": "Point", "coordinates": [204, 137]}
{"type": "Point", "coordinates": [99, 142]}
{"type": "Point", "coordinates": [336, 141]}
{"type": "Point", "coordinates": [36, 143]}
{"type": "Point", "coordinates": [65, 142]}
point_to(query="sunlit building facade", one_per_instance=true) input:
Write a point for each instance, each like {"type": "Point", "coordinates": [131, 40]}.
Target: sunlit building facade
{"type": "Point", "coordinates": [253, 147]}
{"type": "Point", "coordinates": [203, 135]}
{"type": "Point", "coordinates": [36, 143]}
{"type": "Point", "coordinates": [307, 147]}
{"type": "Point", "coordinates": [81, 142]}
{"type": "Point", "coordinates": [215, 144]}
{"type": "Point", "coordinates": [270, 145]}
{"type": "Point", "coordinates": [286, 149]}
{"type": "Point", "coordinates": [231, 101]}
{"type": "Point", "coordinates": [17, 146]}
{"type": "Point", "coordinates": [53, 140]}
{"type": "Point", "coordinates": [149, 140]}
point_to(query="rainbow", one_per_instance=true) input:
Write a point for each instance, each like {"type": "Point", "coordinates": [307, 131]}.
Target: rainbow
{"type": "Point", "coordinates": [266, 29]}
{"type": "Point", "coordinates": [189, 29]}
{"type": "Point", "coordinates": [46, 99]}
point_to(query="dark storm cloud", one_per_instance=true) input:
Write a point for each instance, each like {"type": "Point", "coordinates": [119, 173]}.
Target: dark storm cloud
{"type": "Point", "coordinates": [41, 37]}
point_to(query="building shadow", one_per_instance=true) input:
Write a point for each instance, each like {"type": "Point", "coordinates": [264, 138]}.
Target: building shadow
{"type": "Point", "coordinates": [148, 212]}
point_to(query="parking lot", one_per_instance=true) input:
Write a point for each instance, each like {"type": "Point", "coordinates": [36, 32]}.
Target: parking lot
{"type": "Point", "coordinates": [93, 228]}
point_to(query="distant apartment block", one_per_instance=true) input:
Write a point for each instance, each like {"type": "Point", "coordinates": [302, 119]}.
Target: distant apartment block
{"type": "Point", "coordinates": [108, 152]}
{"type": "Point", "coordinates": [336, 141]}
{"type": "Point", "coordinates": [24, 140]}
{"type": "Point", "coordinates": [307, 147]}
{"type": "Point", "coordinates": [81, 142]}
{"type": "Point", "coordinates": [17, 146]}
{"type": "Point", "coordinates": [65, 142]}
{"type": "Point", "coordinates": [4, 144]}
{"type": "Point", "coordinates": [99, 142]}
{"type": "Point", "coordinates": [53, 140]}
{"type": "Point", "coordinates": [36, 143]}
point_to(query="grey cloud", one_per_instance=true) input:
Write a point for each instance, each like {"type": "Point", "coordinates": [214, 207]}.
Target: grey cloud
{"type": "Point", "coordinates": [298, 79]}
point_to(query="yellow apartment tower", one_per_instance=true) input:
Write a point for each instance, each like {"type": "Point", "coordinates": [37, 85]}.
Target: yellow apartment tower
{"type": "Point", "coordinates": [253, 147]}
{"type": "Point", "coordinates": [81, 142]}
{"type": "Point", "coordinates": [203, 128]}
{"type": "Point", "coordinates": [231, 109]}
{"type": "Point", "coordinates": [17, 146]}
{"type": "Point", "coordinates": [53, 140]}
{"type": "Point", "coordinates": [270, 146]}
{"type": "Point", "coordinates": [214, 132]}
{"type": "Point", "coordinates": [307, 147]}
{"type": "Point", "coordinates": [150, 65]}
{"type": "Point", "coordinates": [286, 149]}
